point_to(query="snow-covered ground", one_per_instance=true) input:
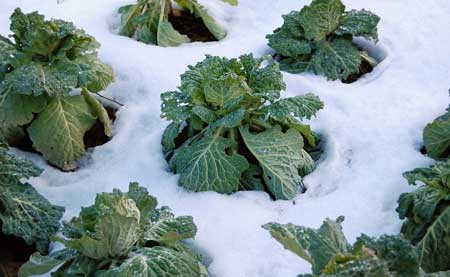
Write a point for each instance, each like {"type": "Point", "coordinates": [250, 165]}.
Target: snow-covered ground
{"type": "Point", "coordinates": [372, 127]}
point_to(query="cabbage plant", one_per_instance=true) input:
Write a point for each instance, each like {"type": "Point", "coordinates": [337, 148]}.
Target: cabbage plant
{"type": "Point", "coordinates": [330, 254]}
{"type": "Point", "coordinates": [24, 213]}
{"type": "Point", "coordinates": [319, 39]}
{"type": "Point", "coordinates": [122, 234]}
{"type": "Point", "coordinates": [49, 70]}
{"type": "Point", "coordinates": [231, 131]}
{"type": "Point", "coordinates": [148, 21]}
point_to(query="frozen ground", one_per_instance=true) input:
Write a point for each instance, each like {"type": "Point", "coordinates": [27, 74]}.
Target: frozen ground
{"type": "Point", "coordinates": [373, 127]}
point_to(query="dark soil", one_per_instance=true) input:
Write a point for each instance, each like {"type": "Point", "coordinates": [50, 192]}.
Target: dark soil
{"type": "Point", "coordinates": [364, 68]}
{"type": "Point", "coordinates": [191, 26]}
{"type": "Point", "coordinates": [96, 136]}
{"type": "Point", "coordinates": [13, 253]}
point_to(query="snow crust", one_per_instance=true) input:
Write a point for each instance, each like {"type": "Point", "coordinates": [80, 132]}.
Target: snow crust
{"type": "Point", "coordinates": [372, 127]}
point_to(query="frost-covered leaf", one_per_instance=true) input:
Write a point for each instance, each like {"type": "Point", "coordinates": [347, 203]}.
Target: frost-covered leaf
{"type": "Point", "coordinates": [174, 106]}
{"type": "Point", "coordinates": [94, 75]}
{"type": "Point", "coordinates": [287, 45]}
{"type": "Point", "coordinates": [337, 59]}
{"type": "Point", "coordinates": [36, 79]}
{"type": "Point", "coordinates": [303, 63]}
{"type": "Point", "coordinates": [39, 265]}
{"type": "Point", "coordinates": [321, 18]}
{"type": "Point", "coordinates": [25, 213]}
{"type": "Point", "coordinates": [317, 246]}
{"type": "Point", "coordinates": [67, 119]}
{"type": "Point", "coordinates": [359, 23]}
{"type": "Point", "coordinates": [166, 228]}
{"type": "Point", "coordinates": [205, 165]}
{"type": "Point", "coordinates": [436, 137]}
{"type": "Point", "coordinates": [298, 107]}
{"type": "Point", "coordinates": [157, 261]}
{"type": "Point", "coordinates": [279, 156]}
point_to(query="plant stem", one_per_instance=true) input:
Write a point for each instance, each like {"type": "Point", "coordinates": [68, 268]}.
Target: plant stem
{"type": "Point", "coordinates": [232, 134]}
{"type": "Point", "coordinates": [109, 99]}
{"type": "Point", "coordinates": [365, 56]}
{"type": "Point", "coordinates": [261, 123]}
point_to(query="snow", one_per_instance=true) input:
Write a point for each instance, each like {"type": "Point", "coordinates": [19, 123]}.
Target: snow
{"type": "Point", "coordinates": [372, 127]}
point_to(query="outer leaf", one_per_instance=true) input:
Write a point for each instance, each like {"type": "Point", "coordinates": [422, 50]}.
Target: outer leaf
{"type": "Point", "coordinates": [174, 106]}
{"type": "Point", "coordinates": [25, 213]}
{"type": "Point", "coordinates": [434, 248]}
{"type": "Point", "coordinates": [231, 2]}
{"type": "Point", "coordinates": [287, 45]}
{"type": "Point", "coordinates": [210, 23]}
{"type": "Point", "coordinates": [205, 165]}
{"type": "Point", "coordinates": [170, 134]}
{"type": "Point", "coordinates": [299, 107]}
{"type": "Point", "coordinates": [321, 18]}
{"type": "Point", "coordinates": [157, 261]}
{"type": "Point", "coordinates": [99, 111]}
{"type": "Point", "coordinates": [252, 178]}
{"type": "Point", "coordinates": [128, 13]}
{"type": "Point", "coordinates": [168, 36]}
{"type": "Point", "coordinates": [436, 137]}
{"type": "Point", "coordinates": [165, 228]}
{"type": "Point", "coordinates": [36, 79]}
{"type": "Point", "coordinates": [39, 265]}
{"type": "Point", "coordinates": [18, 110]}
{"type": "Point", "coordinates": [94, 75]}
{"type": "Point", "coordinates": [67, 119]}
{"type": "Point", "coordinates": [359, 23]}
{"type": "Point", "coordinates": [299, 64]}
{"type": "Point", "coordinates": [337, 59]}
{"type": "Point", "coordinates": [315, 246]}
{"type": "Point", "coordinates": [279, 155]}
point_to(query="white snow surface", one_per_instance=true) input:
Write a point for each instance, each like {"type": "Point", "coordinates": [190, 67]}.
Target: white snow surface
{"type": "Point", "coordinates": [373, 127]}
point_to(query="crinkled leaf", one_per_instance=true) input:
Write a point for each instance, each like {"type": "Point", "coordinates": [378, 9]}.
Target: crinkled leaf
{"type": "Point", "coordinates": [337, 59]}
{"type": "Point", "coordinates": [291, 109]}
{"type": "Point", "coordinates": [303, 63]}
{"type": "Point", "coordinates": [434, 248]}
{"type": "Point", "coordinates": [67, 119]}
{"type": "Point", "coordinates": [157, 261]}
{"type": "Point", "coordinates": [144, 201]}
{"type": "Point", "coordinates": [317, 246]}
{"type": "Point", "coordinates": [25, 213]}
{"type": "Point", "coordinates": [94, 75]}
{"type": "Point", "coordinates": [231, 120]}
{"type": "Point", "coordinates": [321, 18]}
{"type": "Point", "coordinates": [166, 228]}
{"type": "Point", "coordinates": [225, 91]}
{"type": "Point", "coordinates": [206, 166]}
{"type": "Point", "coordinates": [287, 45]}
{"type": "Point", "coordinates": [174, 106]}
{"type": "Point", "coordinates": [37, 79]}
{"type": "Point", "coordinates": [168, 36]}
{"type": "Point", "coordinates": [436, 137]}
{"type": "Point", "coordinates": [359, 23]}
{"type": "Point", "coordinates": [116, 229]}
{"type": "Point", "coordinates": [279, 155]}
